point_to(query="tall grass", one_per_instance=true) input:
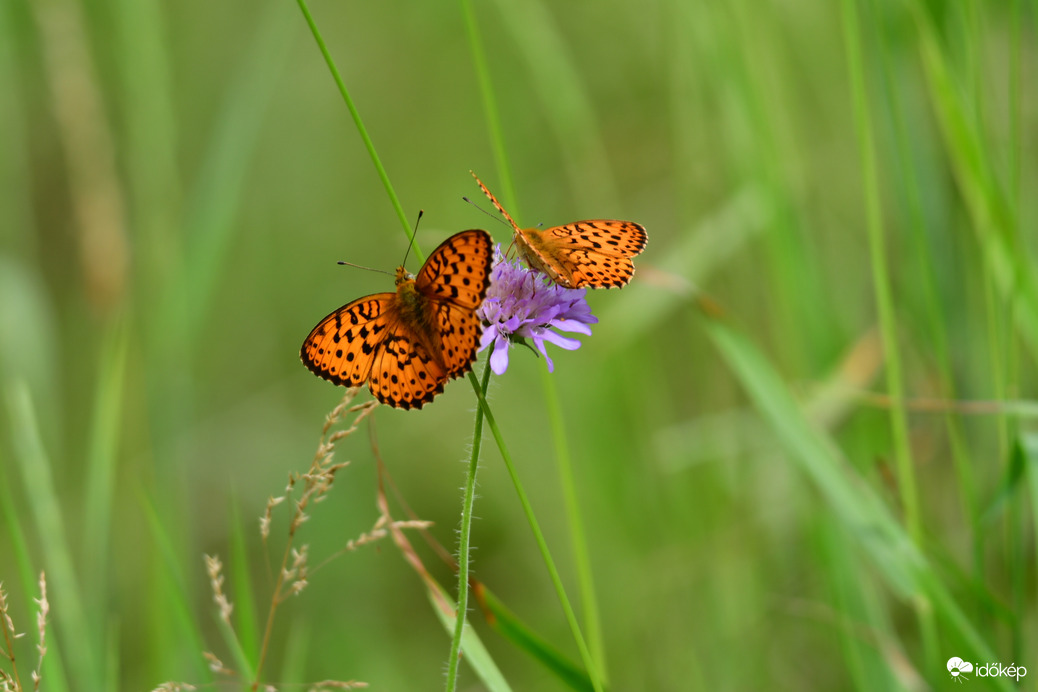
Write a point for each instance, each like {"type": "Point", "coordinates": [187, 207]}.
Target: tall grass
{"type": "Point", "coordinates": [797, 452]}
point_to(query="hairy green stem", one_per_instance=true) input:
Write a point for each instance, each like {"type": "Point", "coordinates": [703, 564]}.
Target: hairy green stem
{"type": "Point", "coordinates": [464, 540]}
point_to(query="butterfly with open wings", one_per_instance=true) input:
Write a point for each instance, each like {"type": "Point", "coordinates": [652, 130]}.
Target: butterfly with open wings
{"type": "Point", "coordinates": [407, 345]}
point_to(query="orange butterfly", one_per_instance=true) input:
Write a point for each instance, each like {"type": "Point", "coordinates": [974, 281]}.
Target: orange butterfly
{"type": "Point", "coordinates": [584, 254]}
{"type": "Point", "coordinates": [407, 345]}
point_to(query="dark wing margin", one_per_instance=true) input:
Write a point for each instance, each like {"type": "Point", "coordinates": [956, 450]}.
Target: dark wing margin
{"type": "Point", "coordinates": [342, 347]}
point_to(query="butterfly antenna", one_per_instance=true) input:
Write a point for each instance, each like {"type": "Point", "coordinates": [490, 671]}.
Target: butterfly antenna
{"type": "Point", "coordinates": [494, 201]}
{"type": "Point", "coordinates": [495, 218]}
{"type": "Point", "coordinates": [361, 266]}
{"type": "Point", "coordinates": [414, 234]}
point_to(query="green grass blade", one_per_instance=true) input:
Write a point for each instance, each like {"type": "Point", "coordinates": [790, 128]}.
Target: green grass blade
{"type": "Point", "coordinates": [1029, 450]}
{"type": "Point", "coordinates": [476, 654]}
{"type": "Point", "coordinates": [16, 231]}
{"type": "Point", "coordinates": [361, 130]}
{"type": "Point", "coordinates": [69, 614]}
{"type": "Point", "coordinates": [181, 640]}
{"type": "Point", "coordinates": [1007, 490]}
{"type": "Point", "coordinates": [847, 495]}
{"type": "Point", "coordinates": [909, 185]}
{"type": "Point", "coordinates": [883, 291]}
{"type": "Point", "coordinates": [859, 619]}
{"type": "Point", "coordinates": [102, 452]}
{"type": "Point", "coordinates": [447, 610]}
{"type": "Point", "coordinates": [564, 100]}
{"type": "Point", "coordinates": [512, 628]}
{"type": "Point", "coordinates": [994, 219]}
{"type": "Point", "coordinates": [490, 111]}
{"type": "Point", "coordinates": [538, 535]}
{"type": "Point", "coordinates": [214, 200]}
{"type": "Point", "coordinates": [149, 137]}
{"type": "Point", "coordinates": [545, 66]}
{"type": "Point", "coordinates": [53, 666]}
{"type": "Point", "coordinates": [246, 618]}
{"type": "Point", "coordinates": [578, 539]}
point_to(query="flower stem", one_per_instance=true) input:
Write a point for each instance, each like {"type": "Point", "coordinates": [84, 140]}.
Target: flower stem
{"type": "Point", "coordinates": [560, 590]}
{"type": "Point", "coordinates": [464, 540]}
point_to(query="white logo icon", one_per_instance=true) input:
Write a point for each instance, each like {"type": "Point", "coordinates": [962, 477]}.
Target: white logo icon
{"type": "Point", "coordinates": [956, 666]}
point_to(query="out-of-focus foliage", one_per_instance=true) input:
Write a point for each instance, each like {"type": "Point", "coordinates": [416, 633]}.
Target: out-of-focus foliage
{"type": "Point", "coordinates": [177, 181]}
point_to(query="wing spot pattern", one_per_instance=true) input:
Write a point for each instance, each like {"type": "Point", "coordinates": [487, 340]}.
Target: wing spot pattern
{"type": "Point", "coordinates": [595, 253]}
{"type": "Point", "coordinates": [383, 340]}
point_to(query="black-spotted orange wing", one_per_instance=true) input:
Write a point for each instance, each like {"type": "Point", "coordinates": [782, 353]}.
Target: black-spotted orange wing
{"type": "Point", "coordinates": [407, 345]}
{"type": "Point", "coordinates": [585, 254]}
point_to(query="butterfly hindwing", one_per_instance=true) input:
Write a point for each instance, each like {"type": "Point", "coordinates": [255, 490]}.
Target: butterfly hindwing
{"type": "Point", "coordinates": [404, 374]}
{"type": "Point", "coordinates": [589, 269]}
{"type": "Point", "coordinates": [342, 347]}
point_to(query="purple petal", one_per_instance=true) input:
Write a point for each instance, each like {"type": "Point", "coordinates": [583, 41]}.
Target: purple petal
{"type": "Point", "coordinates": [559, 340]}
{"type": "Point", "coordinates": [522, 303]}
{"type": "Point", "coordinates": [499, 358]}
{"type": "Point", "coordinates": [539, 343]}
{"type": "Point", "coordinates": [489, 335]}
{"type": "Point", "coordinates": [571, 326]}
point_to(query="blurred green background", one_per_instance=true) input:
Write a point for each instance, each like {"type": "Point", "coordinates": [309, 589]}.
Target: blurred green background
{"type": "Point", "coordinates": [847, 182]}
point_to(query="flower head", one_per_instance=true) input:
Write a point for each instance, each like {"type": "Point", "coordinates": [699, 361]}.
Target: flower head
{"type": "Point", "coordinates": [521, 304]}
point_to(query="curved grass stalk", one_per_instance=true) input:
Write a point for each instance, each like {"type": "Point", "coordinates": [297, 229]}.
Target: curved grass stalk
{"type": "Point", "coordinates": [560, 590]}
{"type": "Point", "coordinates": [368, 144]}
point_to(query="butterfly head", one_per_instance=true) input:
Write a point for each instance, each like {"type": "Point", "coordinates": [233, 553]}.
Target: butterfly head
{"type": "Point", "coordinates": [403, 276]}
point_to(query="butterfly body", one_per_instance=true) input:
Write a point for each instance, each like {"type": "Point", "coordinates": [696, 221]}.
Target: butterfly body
{"type": "Point", "coordinates": [595, 253]}
{"type": "Point", "coordinates": [406, 345]}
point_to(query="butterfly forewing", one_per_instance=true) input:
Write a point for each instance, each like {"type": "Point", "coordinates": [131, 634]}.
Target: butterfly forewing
{"type": "Point", "coordinates": [458, 271]}
{"type": "Point", "coordinates": [407, 345]}
{"type": "Point", "coordinates": [604, 236]}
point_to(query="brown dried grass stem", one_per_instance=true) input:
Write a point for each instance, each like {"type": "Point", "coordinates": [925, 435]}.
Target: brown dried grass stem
{"type": "Point", "coordinates": [316, 482]}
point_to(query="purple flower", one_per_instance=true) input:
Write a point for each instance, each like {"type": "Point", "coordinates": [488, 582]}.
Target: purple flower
{"type": "Point", "coordinates": [521, 304]}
